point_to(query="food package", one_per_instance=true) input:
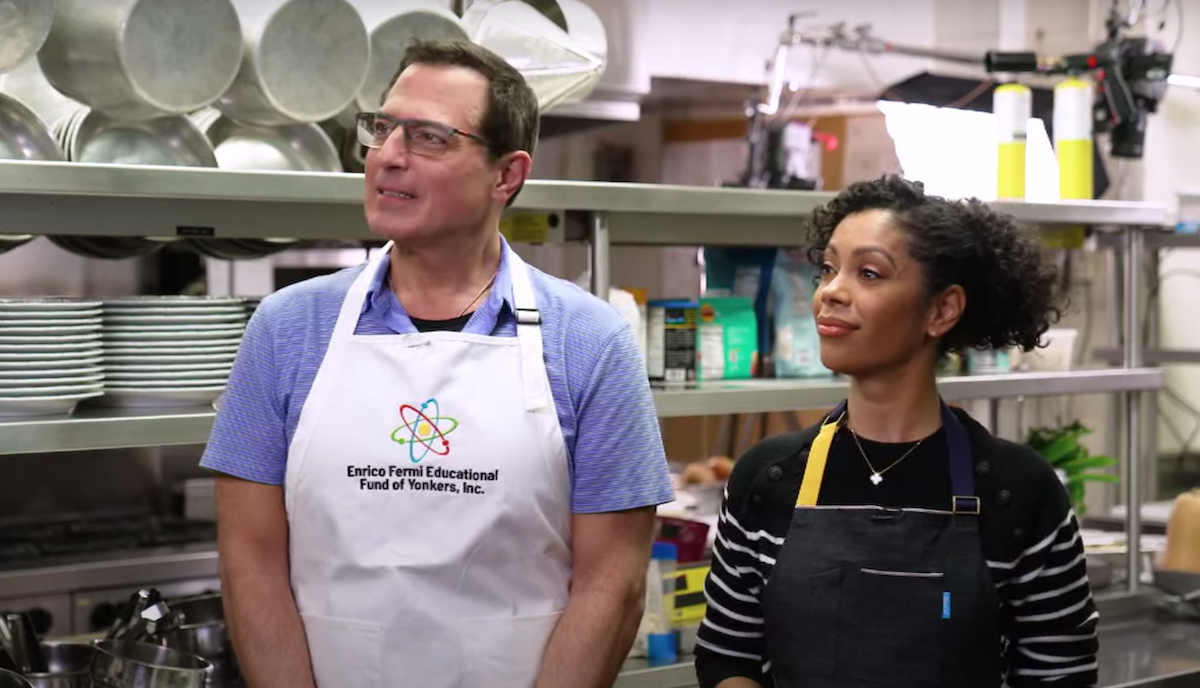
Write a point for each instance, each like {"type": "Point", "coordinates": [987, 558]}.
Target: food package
{"type": "Point", "coordinates": [797, 351]}
{"type": "Point", "coordinates": [1182, 552]}
{"type": "Point", "coordinates": [671, 343]}
{"type": "Point", "coordinates": [744, 272]}
{"type": "Point", "coordinates": [626, 304]}
{"type": "Point", "coordinates": [728, 338]}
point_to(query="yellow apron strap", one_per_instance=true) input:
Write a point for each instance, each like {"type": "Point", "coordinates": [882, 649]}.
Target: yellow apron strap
{"type": "Point", "coordinates": [814, 470]}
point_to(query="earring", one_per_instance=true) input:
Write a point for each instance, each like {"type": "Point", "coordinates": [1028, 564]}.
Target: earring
{"type": "Point", "coordinates": [933, 333]}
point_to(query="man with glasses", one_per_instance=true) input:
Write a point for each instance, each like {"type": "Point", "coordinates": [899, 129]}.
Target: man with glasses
{"type": "Point", "coordinates": [438, 469]}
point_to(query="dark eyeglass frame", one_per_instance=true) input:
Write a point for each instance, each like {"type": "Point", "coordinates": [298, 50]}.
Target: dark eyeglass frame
{"type": "Point", "coordinates": [364, 120]}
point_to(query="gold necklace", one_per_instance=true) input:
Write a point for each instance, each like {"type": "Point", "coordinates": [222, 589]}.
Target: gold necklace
{"type": "Point", "coordinates": [877, 476]}
{"type": "Point", "coordinates": [481, 292]}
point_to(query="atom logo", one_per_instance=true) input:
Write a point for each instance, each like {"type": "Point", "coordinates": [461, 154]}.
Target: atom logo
{"type": "Point", "coordinates": [424, 430]}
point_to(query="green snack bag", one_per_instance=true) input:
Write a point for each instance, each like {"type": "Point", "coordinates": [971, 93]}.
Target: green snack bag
{"type": "Point", "coordinates": [727, 338]}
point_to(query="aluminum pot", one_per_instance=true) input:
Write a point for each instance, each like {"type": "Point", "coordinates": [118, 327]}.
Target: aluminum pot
{"type": "Point", "coordinates": [11, 679]}
{"type": "Point", "coordinates": [126, 664]}
{"type": "Point", "coordinates": [24, 25]}
{"type": "Point", "coordinates": [140, 59]}
{"type": "Point", "coordinates": [303, 62]}
{"type": "Point", "coordinates": [68, 666]}
{"type": "Point", "coordinates": [393, 24]}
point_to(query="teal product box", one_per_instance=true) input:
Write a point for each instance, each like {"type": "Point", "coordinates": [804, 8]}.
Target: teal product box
{"type": "Point", "coordinates": [728, 338]}
{"type": "Point", "coordinates": [745, 272]}
{"type": "Point", "coordinates": [797, 350]}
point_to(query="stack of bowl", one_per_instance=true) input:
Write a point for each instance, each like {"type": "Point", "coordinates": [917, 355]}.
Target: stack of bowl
{"type": "Point", "coordinates": [49, 355]}
{"type": "Point", "coordinates": [169, 350]}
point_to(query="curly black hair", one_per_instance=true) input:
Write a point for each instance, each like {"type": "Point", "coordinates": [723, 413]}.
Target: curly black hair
{"type": "Point", "coordinates": [1010, 298]}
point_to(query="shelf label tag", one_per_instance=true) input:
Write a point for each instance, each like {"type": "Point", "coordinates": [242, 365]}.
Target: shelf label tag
{"type": "Point", "coordinates": [525, 227]}
{"type": "Point", "coordinates": [193, 231]}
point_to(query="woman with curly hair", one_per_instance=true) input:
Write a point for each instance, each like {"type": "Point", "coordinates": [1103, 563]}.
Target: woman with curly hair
{"type": "Point", "coordinates": [898, 544]}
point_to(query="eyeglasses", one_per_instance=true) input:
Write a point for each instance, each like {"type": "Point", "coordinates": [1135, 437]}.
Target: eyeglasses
{"type": "Point", "coordinates": [421, 137]}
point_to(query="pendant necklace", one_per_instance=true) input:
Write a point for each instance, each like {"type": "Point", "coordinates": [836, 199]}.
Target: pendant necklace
{"type": "Point", "coordinates": [877, 475]}
{"type": "Point", "coordinates": [481, 292]}
{"type": "Point", "coordinates": [388, 282]}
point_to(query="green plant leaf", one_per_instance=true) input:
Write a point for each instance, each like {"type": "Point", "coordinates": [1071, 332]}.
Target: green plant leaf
{"type": "Point", "coordinates": [1081, 478]}
{"type": "Point", "coordinates": [1087, 462]}
{"type": "Point", "coordinates": [1061, 449]}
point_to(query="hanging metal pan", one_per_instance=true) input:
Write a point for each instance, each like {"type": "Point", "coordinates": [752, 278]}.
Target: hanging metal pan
{"type": "Point", "coordinates": [304, 61]}
{"type": "Point", "coordinates": [139, 59]}
{"type": "Point", "coordinates": [24, 25]}
{"type": "Point", "coordinates": [393, 24]}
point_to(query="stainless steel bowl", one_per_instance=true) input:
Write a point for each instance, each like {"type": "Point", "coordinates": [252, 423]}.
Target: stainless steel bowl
{"type": "Point", "coordinates": [68, 666]}
{"type": "Point", "coordinates": [96, 138]}
{"type": "Point", "coordinates": [24, 25]}
{"type": "Point", "coordinates": [203, 631]}
{"type": "Point", "coordinates": [11, 679]}
{"type": "Point", "coordinates": [28, 84]}
{"type": "Point", "coordinates": [124, 664]}
{"type": "Point", "coordinates": [304, 61]}
{"type": "Point", "coordinates": [138, 59]}
{"type": "Point", "coordinates": [23, 136]}
{"type": "Point", "coordinates": [288, 147]}
{"type": "Point", "coordinates": [392, 26]}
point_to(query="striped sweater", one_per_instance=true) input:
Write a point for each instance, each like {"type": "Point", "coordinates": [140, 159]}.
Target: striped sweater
{"type": "Point", "coordinates": [1029, 538]}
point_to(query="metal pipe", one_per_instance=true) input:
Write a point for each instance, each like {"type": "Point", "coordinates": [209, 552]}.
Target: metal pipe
{"type": "Point", "coordinates": [1112, 270]}
{"type": "Point", "coordinates": [600, 246]}
{"type": "Point", "coordinates": [875, 46]}
{"type": "Point", "coordinates": [1150, 400]}
{"type": "Point", "coordinates": [1134, 242]}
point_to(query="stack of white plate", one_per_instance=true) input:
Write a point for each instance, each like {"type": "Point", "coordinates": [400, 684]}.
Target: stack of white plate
{"type": "Point", "coordinates": [169, 350]}
{"type": "Point", "coordinates": [49, 356]}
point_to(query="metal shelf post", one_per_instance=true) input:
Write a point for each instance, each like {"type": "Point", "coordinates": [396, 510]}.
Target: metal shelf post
{"type": "Point", "coordinates": [1131, 311]}
{"type": "Point", "coordinates": [599, 255]}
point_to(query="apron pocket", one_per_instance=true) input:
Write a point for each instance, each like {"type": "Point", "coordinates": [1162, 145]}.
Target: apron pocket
{"type": "Point", "coordinates": [505, 652]}
{"type": "Point", "coordinates": [817, 641]}
{"type": "Point", "coordinates": [344, 652]}
{"type": "Point", "coordinates": [896, 626]}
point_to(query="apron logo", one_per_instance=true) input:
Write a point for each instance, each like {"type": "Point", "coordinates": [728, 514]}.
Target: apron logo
{"type": "Point", "coordinates": [424, 430]}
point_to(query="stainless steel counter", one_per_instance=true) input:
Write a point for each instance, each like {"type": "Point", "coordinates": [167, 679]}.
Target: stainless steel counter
{"type": "Point", "coordinates": [122, 569]}
{"type": "Point", "coordinates": [1150, 653]}
{"type": "Point", "coordinates": [1144, 653]}
{"type": "Point", "coordinates": [1137, 649]}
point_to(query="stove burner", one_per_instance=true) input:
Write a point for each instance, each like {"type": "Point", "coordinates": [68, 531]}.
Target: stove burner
{"type": "Point", "coordinates": [35, 541]}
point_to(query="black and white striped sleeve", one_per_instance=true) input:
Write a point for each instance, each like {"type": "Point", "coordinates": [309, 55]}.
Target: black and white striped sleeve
{"type": "Point", "coordinates": [730, 641]}
{"type": "Point", "coordinates": [1052, 617]}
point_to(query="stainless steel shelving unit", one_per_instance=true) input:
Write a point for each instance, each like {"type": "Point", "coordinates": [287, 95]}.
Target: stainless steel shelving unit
{"type": "Point", "coordinates": [764, 396]}
{"type": "Point", "coordinates": [113, 200]}
{"type": "Point", "coordinates": [109, 429]}
{"type": "Point", "coordinates": [117, 200]}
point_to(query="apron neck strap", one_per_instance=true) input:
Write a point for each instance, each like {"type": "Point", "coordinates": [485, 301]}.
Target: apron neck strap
{"type": "Point", "coordinates": [962, 467]}
{"type": "Point", "coordinates": [529, 333]}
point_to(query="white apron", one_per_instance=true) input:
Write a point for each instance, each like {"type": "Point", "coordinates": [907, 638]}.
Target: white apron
{"type": "Point", "coordinates": [428, 499]}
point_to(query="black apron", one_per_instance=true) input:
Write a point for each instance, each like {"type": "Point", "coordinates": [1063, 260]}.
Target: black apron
{"type": "Point", "coordinates": [872, 597]}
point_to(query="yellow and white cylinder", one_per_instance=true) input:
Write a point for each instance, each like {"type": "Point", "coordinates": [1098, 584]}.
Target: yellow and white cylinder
{"type": "Point", "coordinates": [1013, 106]}
{"type": "Point", "coordinates": [1073, 138]}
